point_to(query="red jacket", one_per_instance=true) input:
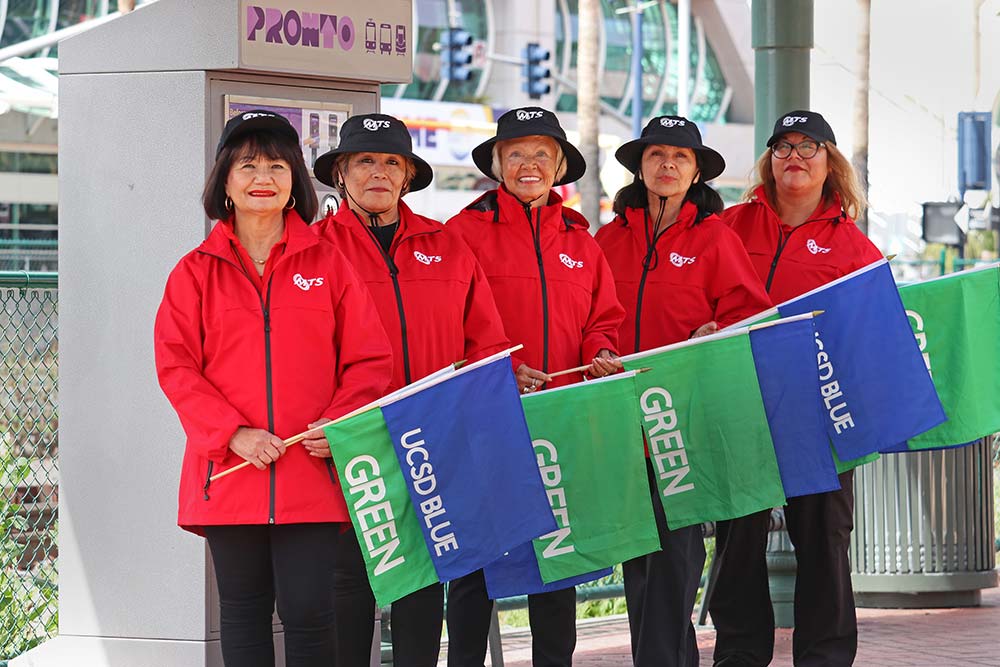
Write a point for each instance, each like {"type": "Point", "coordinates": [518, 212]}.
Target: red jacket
{"type": "Point", "coordinates": [552, 285]}
{"type": "Point", "coordinates": [794, 260]}
{"type": "Point", "coordinates": [309, 345]}
{"type": "Point", "coordinates": [444, 299]}
{"type": "Point", "coordinates": [698, 272]}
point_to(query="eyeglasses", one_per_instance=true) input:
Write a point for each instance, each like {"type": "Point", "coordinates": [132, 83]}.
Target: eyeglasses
{"type": "Point", "coordinates": [806, 149]}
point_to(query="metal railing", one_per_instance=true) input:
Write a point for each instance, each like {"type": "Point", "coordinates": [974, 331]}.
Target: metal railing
{"type": "Point", "coordinates": [29, 477]}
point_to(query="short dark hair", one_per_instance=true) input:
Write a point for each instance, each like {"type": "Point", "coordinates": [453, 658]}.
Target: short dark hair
{"type": "Point", "coordinates": [273, 146]}
{"type": "Point", "coordinates": [702, 195]}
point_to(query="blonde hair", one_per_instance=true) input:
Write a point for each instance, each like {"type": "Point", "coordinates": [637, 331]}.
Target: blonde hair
{"type": "Point", "coordinates": [561, 167]}
{"type": "Point", "coordinates": [840, 179]}
{"type": "Point", "coordinates": [340, 168]}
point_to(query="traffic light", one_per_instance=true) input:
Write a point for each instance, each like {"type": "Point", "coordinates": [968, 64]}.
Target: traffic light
{"type": "Point", "coordinates": [455, 54]}
{"type": "Point", "coordinates": [535, 73]}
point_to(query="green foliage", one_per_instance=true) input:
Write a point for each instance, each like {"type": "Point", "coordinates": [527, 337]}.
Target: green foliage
{"type": "Point", "coordinates": [518, 618]}
{"type": "Point", "coordinates": [28, 596]}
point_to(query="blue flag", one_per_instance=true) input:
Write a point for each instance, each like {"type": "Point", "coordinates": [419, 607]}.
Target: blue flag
{"type": "Point", "coordinates": [874, 385]}
{"type": "Point", "coordinates": [785, 358]}
{"type": "Point", "coordinates": [517, 574]}
{"type": "Point", "coordinates": [468, 462]}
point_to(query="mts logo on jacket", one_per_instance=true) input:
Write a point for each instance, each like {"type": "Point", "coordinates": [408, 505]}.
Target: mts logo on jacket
{"type": "Point", "coordinates": [305, 283]}
{"type": "Point", "coordinates": [680, 260]}
{"type": "Point", "coordinates": [569, 261]}
{"type": "Point", "coordinates": [815, 248]}
{"type": "Point", "coordinates": [426, 259]}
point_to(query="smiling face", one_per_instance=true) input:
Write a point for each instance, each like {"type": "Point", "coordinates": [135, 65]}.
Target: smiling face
{"type": "Point", "coordinates": [375, 181]}
{"type": "Point", "coordinates": [528, 167]}
{"type": "Point", "coordinates": [668, 171]}
{"type": "Point", "coordinates": [796, 176]}
{"type": "Point", "coordinates": [259, 184]}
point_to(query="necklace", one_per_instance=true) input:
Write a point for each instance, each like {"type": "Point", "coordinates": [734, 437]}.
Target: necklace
{"type": "Point", "coordinates": [262, 262]}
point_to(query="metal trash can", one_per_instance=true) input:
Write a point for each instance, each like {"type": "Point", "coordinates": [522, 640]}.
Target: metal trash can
{"type": "Point", "coordinates": [923, 529]}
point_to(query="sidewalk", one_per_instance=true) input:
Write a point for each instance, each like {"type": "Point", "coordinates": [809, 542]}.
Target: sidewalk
{"type": "Point", "coordinates": [886, 638]}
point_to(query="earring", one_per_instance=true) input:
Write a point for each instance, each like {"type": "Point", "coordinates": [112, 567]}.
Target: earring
{"type": "Point", "coordinates": [228, 203]}
{"type": "Point", "coordinates": [291, 203]}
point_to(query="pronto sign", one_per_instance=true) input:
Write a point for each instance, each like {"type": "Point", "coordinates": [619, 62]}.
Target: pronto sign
{"type": "Point", "coordinates": [370, 40]}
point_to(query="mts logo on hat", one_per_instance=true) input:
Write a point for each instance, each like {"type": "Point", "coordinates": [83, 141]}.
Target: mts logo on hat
{"type": "Point", "coordinates": [788, 121]}
{"type": "Point", "coordinates": [374, 125]}
{"type": "Point", "coordinates": [529, 115]}
{"type": "Point", "coordinates": [671, 122]}
{"type": "Point", "coordinates": [256, 114]}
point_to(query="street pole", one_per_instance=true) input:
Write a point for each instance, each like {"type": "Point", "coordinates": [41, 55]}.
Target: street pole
{"type": "Point", "coordinates": [782, 37]}
{"type": "Point", "coordinates": [637, 70]}
{"type": "Point", "coordinates": [683, 56]}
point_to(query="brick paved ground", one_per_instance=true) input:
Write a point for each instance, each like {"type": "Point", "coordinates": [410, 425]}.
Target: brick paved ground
{"type": "Point", "coordinates": [887, 638]}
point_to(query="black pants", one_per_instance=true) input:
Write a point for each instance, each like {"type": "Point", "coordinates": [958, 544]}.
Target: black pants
{"type": "Point", "coordinates": [660, 590]}
{"type": "Point", "coordinates": [254, 566]}
{"type": "Point", "coordinates": [826, 630]}
{"type": "Point", "coordinates": [416, 619]}
{"type": "Point", "coordinates": [552, 617]}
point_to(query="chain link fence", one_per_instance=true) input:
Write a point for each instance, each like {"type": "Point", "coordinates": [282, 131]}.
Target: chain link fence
{"type": "Point", "coordinates": [29, 476]}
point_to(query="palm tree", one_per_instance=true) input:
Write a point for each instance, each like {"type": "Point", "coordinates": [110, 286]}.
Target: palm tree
{"type": "Point", "coordinates": [860, 155]}
{"type": "Point", "coordinates": [587, 108]}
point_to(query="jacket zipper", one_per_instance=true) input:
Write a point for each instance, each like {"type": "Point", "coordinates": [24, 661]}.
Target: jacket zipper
{"type": "Point", "coordinates": [208, 479]}
{"type": "Point", "coordinates": [650, 249]}
{"type": "Point", "coordinates": [394, 275]}
{"type": "Point", "coordinates": [781, 246]}
{"type": "Point", "coordinates": [266, 307]}
{"type": "Point", "coordinates": [536, 234]}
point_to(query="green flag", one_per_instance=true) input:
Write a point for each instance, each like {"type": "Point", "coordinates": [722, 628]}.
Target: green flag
{"type": "Point", "coordinates": [956, 320]}
{"type": "Point", "coordinates": [851, 464]}
{"type": "Point", "coordinates": [588, 441]}
{"type": "Point", "coordinates": [385, 522]}
{"type": "Point", "coordinates": [706, 428]}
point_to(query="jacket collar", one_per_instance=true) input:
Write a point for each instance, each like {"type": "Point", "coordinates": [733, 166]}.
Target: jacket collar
{"type": "Point", "coordinates": [297, 237]}
{"type": "Point", "coordinates": [410, 223]}
{"type": "Point", "coordinates": [830, 209]}
{"type": "Point", "coordinates": [511, 209]}
{"type": "Point", "coordinates": [635, 219]}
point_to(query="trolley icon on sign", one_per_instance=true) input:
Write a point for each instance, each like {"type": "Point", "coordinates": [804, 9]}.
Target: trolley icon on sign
{"type": "Point", "coordinates": [370, 35]}
{"type": "Point", "coordinates": [400, 40]}
{"type": "Point", "coordinates": [385, 38]}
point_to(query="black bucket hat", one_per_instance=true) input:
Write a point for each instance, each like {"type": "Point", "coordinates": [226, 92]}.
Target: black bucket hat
{"type": "Point", "coordinates": [671, 131]}
{"type": "Point", "coordinates": [374, 133]}
{"type": "Point", "coordinates": [256, 120]}
{"type": "Point", "coordinates": [530, 122]}
{"type": "Point", "coordinates": [809, 123]}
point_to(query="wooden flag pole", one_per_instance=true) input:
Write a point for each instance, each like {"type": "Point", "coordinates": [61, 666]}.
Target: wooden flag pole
{"type": "Point", "coordinates": [295, 439]}
{"type": "Point", "coordinates": [578, 369]}
{"type": "Point", "coordinates": [785, 320]}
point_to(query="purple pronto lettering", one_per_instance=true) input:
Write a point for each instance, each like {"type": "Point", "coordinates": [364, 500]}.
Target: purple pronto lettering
{"type": "Point", "coordinates": [255, 21]}
{"type": "Point", "coordinates": [310, 29]}
{"type": "Point", "coordinates": [328, 29]}
{"type": "Point", "coordinates": [295, 28]}
{"type": "Point", "coordinates": [272, 24]}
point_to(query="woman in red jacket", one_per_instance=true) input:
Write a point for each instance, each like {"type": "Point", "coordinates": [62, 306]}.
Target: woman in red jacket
{"type": "Point", "coordinates": [263, 331]}
{"type": "Point", "coordinates": [680, 273]}
{"type": "Point", "coordinates": [436, 306]}
{"type": "Point", "coordinates": [797, 225]}
{"type": "Point", "coordinates": [556, 296]}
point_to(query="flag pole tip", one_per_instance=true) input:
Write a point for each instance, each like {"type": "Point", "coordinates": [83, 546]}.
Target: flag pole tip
{"type": "Point", "coordinates": [889, 258]}
{"type": "Point", "coordinates": [459, 364]}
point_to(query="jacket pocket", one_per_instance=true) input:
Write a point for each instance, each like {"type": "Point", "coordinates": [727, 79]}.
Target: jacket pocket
{"type": "Point", "coordinates": [333, 473]}
{"type": "Point", "coordinates": [208, 480]}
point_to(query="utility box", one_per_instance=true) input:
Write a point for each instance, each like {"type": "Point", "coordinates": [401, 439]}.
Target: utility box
{"type": "Point", "coordinates": [142, 102]}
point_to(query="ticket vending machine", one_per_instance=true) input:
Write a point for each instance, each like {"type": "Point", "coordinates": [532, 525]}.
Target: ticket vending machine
{"type": "Point", "coordinates": [143, 100]}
